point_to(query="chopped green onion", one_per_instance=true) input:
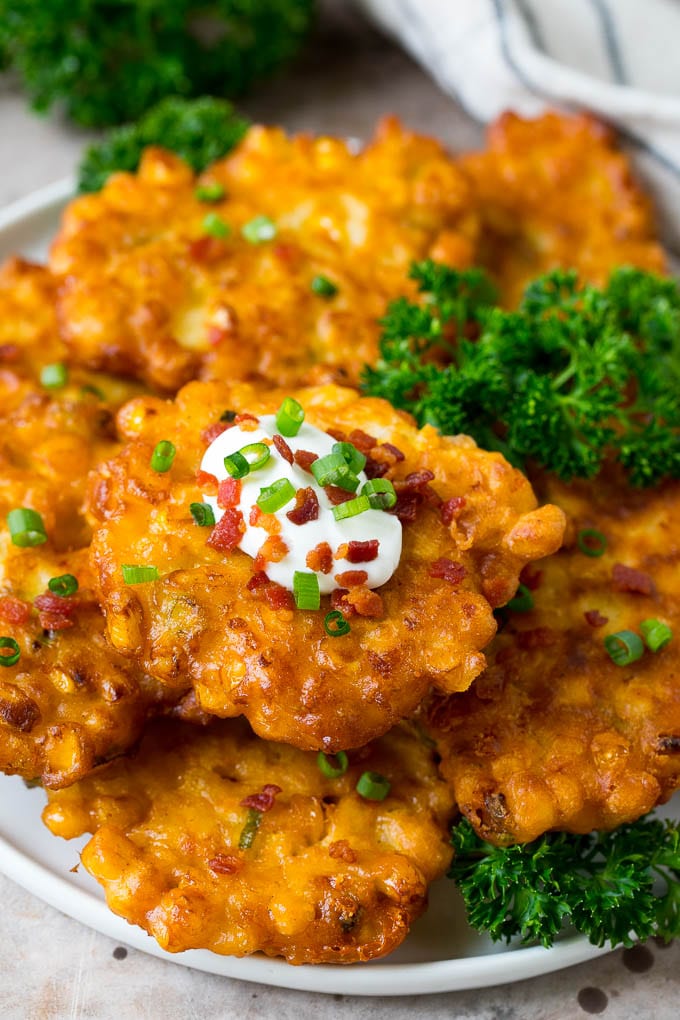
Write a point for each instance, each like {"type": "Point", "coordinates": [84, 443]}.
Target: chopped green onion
{"type": "Point", "coordinates": [64, 585]}
{"type": "Point", "coordinates": [306, 590]}
{"type": "Point", "coordinates": [290, 417]}
{"type": "Point", "coordinates": [163, 456]}
{"type": "Point", "coordinates": [259, 452]}
{"type": "Point", "coordinates": [203, 514]}
{"type": "Point", "coordinates": [656, 634]}
{"type": "Point", "coordinates": [215, 226]}
{"type": "Point", "coordinates": [353, 458]}
{"type": "Point", "coordinates": [380, 492]}
{"type": "Point", "coordinates": [273, 497]}
{"type": "Point", "coordinates": [522, 602]}
{"type": "Point", "coordinates": [212, 192]}
{"type": "Point", "coordinates": [351, 508]}
{"type": "Point", "coordinates": [259, 229]}
{"type": "Point", "coordinates": [13, 657]}
{"type": "Point", "coordinates": [53, 377]}
{"type": "Point", "coordinates": [88, 390]}
{"type": "Point", "coordinates": [335, 624]}
{"type": "Point", "coordinates": [133, 574]}
{"type": "Point", "coordinates": [323, 287]}
{"type": "Point", "coordinates": [328, 769]}
{"type": "Point", "coordinates": [334, 470]}
{"type": "Point", "coordinates": [253, 819]}
{"type": "Point", "coordinates": [228, 416]}
{"type": "Point", "coordinates": [591, 541]}
{"type": "Point", "coordinates": [26, 527]}
{"type": "Point", "coordinates": [624, 647]}
{"type": "Point", "coordinates": [236, 465]}
{"type": "Point", "coordinates": [373, 786]}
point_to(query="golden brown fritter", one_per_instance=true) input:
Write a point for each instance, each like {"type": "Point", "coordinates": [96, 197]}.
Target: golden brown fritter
{"type": "Point", "coordinates": [554, 735]}
{"type": "Point", "coordinates": [148, 290]}
{"type": "Point", "coordinates": [557, 192]}
{"type": "Point", "coordinates": [329, 877]}
{"type": "Point", "coordinates": [247, 651]}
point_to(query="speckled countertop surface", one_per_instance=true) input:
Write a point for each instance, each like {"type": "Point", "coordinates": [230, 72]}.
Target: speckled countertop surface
{"type": "Point", "coordinates": [53, 967]}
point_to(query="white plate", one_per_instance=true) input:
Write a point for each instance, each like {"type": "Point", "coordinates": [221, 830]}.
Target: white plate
{"type": "Point", "coordinates": [441, 954]}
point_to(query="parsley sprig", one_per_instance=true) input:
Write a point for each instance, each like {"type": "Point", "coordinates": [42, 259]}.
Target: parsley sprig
{"type": "Point", "coordinates": [576, 375]}
{"type": "Point", "coordinates": [605, 884]}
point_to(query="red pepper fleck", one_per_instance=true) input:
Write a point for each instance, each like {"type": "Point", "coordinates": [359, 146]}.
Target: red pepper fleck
{"type": "Point", "coordinates": [229, 493]}
{"type": "Point", "coordinates": [539, 637]}
{"type": "Point", "coordinates": [283, 448]}
{"type": "Point", "coordinates": [336, 495]}
{"type": "Point", "coordinates": [594, 618]}
{"type": "Point", "coordinates": [448, 570]}
{"type": "Point", "coordinates": [263, 801]}
{"type": "Point", "coordinates": [320, 558]}
{"type": "Point", "coordinates": [351, 578]}
{"type": "Point", "coordinates": [531, 578]}
{"type": "Point", "coordinates": [207, 481]}
{"type": "Point", "coordinates": [228, 531]}
{"type": "Point", "coordinates": [258, 580]}
{"type": "Point", "coordinates": [360, 552]}
{"type": "Point", "coordinates": [210, 434]}
{"type": "Point", "coordinates": [278, 597]}
{"type": "Point", "coordinates": [363, 442]}
{"type": "Point", "coordinates": [225, 864]}
{"type": "Point", "coordinates": [450, 509]}
{"type": "Point", "coordinates": [629, 579]}
{"type": "Point", "coordinates": [305, 459]}
{"type": "Point", "coordinates": [14, 610]}
{"type": "Point", "coordinates": [306, 507]}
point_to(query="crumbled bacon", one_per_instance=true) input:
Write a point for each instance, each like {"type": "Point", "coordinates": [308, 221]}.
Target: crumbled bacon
{"type": "Point", "coordinates": [531, 578]}
{"type": "Point", "coordinates": [594, 618]}
{"type": "Point", "coordinates": [268, 522]}
{"type": "Point", "coordinates": [207, 249]}
{"type": "Point", "coordinates": [228, 531]}
{"type": "Point", "coordinates": [364, 601]}
{"type": "Point", "coordinates": [283, 448]}
{"type": "Point", "coordinates": [210, 434]}
{"type": "Point", "coordinates": [375, 469]}
{"type": "Point", "coordinates": [394, 450]}
{"type": "Point", "coordinates": [339, 601]}
{"type": "Point", "coordinates": [14, 610]}
{"type": "Point", "coordinates": [229, 493]}
{"type": "Point", "coordinates": [415, 481]}
{"type": "Point", "coordinates": [288, 253]}
{"type": "Point", "coordinates": [450, 509]}
{"type": "Point", "coordinates": [225, 864]}
{"type": "Point", "coordinates": [406, 507]}
{"type": "Point", "coordinates": [278, 597]}
{"type": "Point", "coordinates": [263, 801]}
{"type": "Point", "coordinates": [207, 481]}
{"type": "Point", "coordinates": [358, 552]}
{"type": "Point", "coordinates": [55, 621]}
{"type": "Point", "coordinates": [258, 580]}
{"type": "Point", "coordinates": [272, 550]}
{"type": "Point", "coordinates": [341, 850]}
{"type": "Point", "coordinates": [629, 579]}
{"type": "Point", "coordinates": [246, 416]}
{"type": "Point", "coordinates": [351, 578]}
{"type": "Point", "coordinates": [320, 558]}
{"type": "Point", "coordinates": [447, 570]}
{"type": "Point", "coordinates": [336, 495]}
{"type": "Point", "coordinates": [57, 604]}
{"type": "Point", "coordinates": [337, 434]}
{"type": "Point", "coordinates": [363, 442]}
{"type": "Point", "coordinates": [539, 637]}
{"type": "Point", "coordinates": [306, 507]}
{"type": "Point", "coordinates": [305, 459]}
{"type": "Point", "coordinates": [9, 352]}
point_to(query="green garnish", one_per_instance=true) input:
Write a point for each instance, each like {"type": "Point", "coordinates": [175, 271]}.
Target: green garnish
{"type": "Point", "coordinates": [236, 465]}
{"type": "Point", "coordinates": [306, 590]}
{"type": "Point", "coordinates": [373, 786]}
{"type": "Point", "coordinates": [354, 459]}
{"type": "Point", "coordinates": [26, 527]}
{"type": "Point", "coordinates": [12, 657]}
{"type": "Point", "coordinates": [591, 542]}
{"type": "Point", "coordinates": [259, 230]}
{"type": "Point", "coordinates": [133, 574]}
{"type": "Point", "coordinates": [575, 376]}
{"type": "Point", "coordinates": [54, 377]}
{"type": "Point", "coordinates": [602, 883]}
{"type": "Point", "coordinates": [215, 226]}
{"type": "Point", "coordinates": [351, 508]}
{"type": "Point", "coordinates": [273, 497]}
{"type": "Point", "coordinates": [228, 416]}
{"type": "Point", "coordinates": [380, 492]}
{"type": "Point", "coordinates": [289, 417]}
{"type": "Point", "coordinates": [203, 514]}
{"type": "Point", "coordinates": [333, 469]}
{"type": "Point", "coordinates": [256, 455]}
{"type": "Point", "coordinates": [64, 585]}
{"type": "Point", "coordinates": [624, 647]}
{"type": "Point", "coordinates": [213, 192]}
{"type": "Point", "coordinates": [522, 602]}
{"type": "Point", "coordinates": [328, 769]}
{"type": "Point", "coordinates": [656, 634]}
{"type": "Point", "coordinates": [252, 824]}
{"type": "Point", "coordinates": [163, 456]}
{"type": "Point", "coordinates": [323, 287]}
{"type": "Point", "coordinates": [335, 624]}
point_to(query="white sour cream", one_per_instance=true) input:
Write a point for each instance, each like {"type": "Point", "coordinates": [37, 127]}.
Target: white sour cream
{"type": "Point", "coordinates": [303, 538]}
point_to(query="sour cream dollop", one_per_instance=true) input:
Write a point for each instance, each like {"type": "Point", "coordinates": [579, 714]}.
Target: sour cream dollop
{"type": "Point", "coordinates": [301, 539]}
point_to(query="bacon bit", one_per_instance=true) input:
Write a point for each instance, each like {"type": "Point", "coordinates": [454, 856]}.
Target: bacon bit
{"type": "Point", "coordinates": [207, 249]}
{"type": "Point", "coordinates": [216, 335]}
{"type": "Point", "coordinates": [540, 637]}
{"type": "Point", "coordinates": [229, 493]}
{"type": "Point", "coordinates": [531, 578]}
{"type": "Point", "coordinates": [278, 597]}
{"type": "Point", "coordinates": [207, 481]}
{"type": "Point", "coordinates": [283, 448]}
{"type": "Point", "coordinates": [628, 579]}
{"type": "Point", "coordinates": [365, 601]}
{"type": "Point", "coordinates": [447, 570]}
{"type": "Point", "coordinates": [263, 801]}
{"type": "Point", "coordinates": [306, 507]}
{"type": "Point", "coordinates": [450, 509]}
{"type": "Point", "coordinates": [56, 604]}
{"type": "Point", "coordinates": [272, 551]}
{"type": "Point", "coordinates": [358, 552]}
{"type": "Point", "coordinates": [289, 253]}
{"type": "Point", "coordinates": [340, 850]}
{"type": "Point", "coordinates": [406, 507]}
{"type": "Point", "coordinates": [268, 522]}
{"type": "Point", "coordinates": [9, 352]}
{"type": "Point", "coordinates": [337, 434]}
{"type": "Point", "coordinates": [351, 578]}
{"type": "Point", "coordinates": [414, 482]}
{"type": "Point", "coordinates": [258, 580]}
{"type": "Point", "coordinates": [241, 418]}
{"type": "Point", "coordinates": [227, 532]}
{"type": "Point", "coordinates": [336, 495]}
{"type": "Point", "coordinates": [210, 434]}
{"type": "Point", "coordinates": [594, 618]}
{"type": "Point", "coordinates": [375, 469]}
{"type": "Point", "coordinates": [225, 864]}
{"type": "Point", "coordinates": [363, 442]}
{"type": "Point", "coordinates": [54, 621]}
{"type": "Point", "coordinates": [339, 601]}
{"type": "Point", "coordinates": [305, 459]}
{"type": "Point", "coordinates": [14, 610]}
{"type": "Point", "coordinates": [394, 450]}
{"type": "Point", "coordinates": [320, 558]}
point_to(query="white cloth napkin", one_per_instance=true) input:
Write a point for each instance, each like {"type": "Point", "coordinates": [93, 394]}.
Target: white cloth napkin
{"type": "Point", "coordinates": [618, 58]}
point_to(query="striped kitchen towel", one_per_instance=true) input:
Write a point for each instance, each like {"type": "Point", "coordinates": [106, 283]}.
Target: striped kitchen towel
{"type": "Point", "coordinates": [618, 58]}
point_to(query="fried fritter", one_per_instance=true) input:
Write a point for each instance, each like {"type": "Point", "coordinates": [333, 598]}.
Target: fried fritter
{"type": "Point", "coordinates": [245, 650]}
{"type": "Point", "coordinates": [151, 287]}
{"type": "Point", "coordinates": [556, 192]}
{"type": "Point", "coordinates": [330, 876]}
{"type": "Point", "coordinates": [555, 735]}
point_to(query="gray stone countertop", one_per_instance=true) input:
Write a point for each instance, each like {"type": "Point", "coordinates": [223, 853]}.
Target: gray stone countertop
{"type": "Point", "coordinates": [53, 967]}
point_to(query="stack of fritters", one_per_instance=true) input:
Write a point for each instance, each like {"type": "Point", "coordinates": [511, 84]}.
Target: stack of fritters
{"type": "Point", "coordinates": [208, 833]}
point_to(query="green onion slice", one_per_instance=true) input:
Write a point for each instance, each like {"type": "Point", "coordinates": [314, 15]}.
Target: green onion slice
{"type": "Point", "coordinates": [351, 508]}
{"type": "Point", "coordinates": [9, 658]}
{"type": "Point", "coordinates": [215, 226]}
{"type": "Point", "coordinates": [656, 634]}
{"type": "Point", "coordinates": [328, 769]}
{"type": "Point", "coordinates": [334, 470]}
{"type": "Point", "coordinates": [53, 377]}
{"type": "Point", "coordinates": [353, 458]}
{"type": "Point", "coordinates": [64, 585]}
{"type": "Point", "coordinates": [212, 192]}
{"type": "Point", "coordinates": [256, 454]}
{"type": "Point", "coordinates": [259, 229]}
{"type": "Point", "coordinates": [591, 542]}
{"type": "Point", "coordinates": [236, 465]}
{"type": "Point", "coordinates": [273, 497]}
{"type": "Point", "coordinates": [323, 287]}
{"type": "Point", "coordinates": [373, 786]}
{"type": "Point", "coordinates": [26, 527]}
{"type": "Point", "coordinates": [203, 514]}
{"type": "Point", "coordinates": [88, 390]}
{"type": "Point", "coordinates": [228, 416]}
{"type": "Point", "coordinates": [289, 417]}
{"type": "Point", "coordinates": [522, 602]}
{"type": "Point", "coordinates": [335, 624]}
{"type": "Point", "coordinates": [163, 456]}
{"type": "Point", "coordinates": [134, 574]}
{"type": "Point", "coordinates": [253, 819]}
{"type": "Point", "coordinates": [306, 590]}
{"type": "Point", "coordinates": [624, 647]}
{"type": "Point", "coordinates": [381, 494]}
